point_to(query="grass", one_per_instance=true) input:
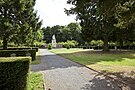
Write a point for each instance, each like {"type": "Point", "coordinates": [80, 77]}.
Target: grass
{"type": "Point", "coordinates": [106, 61]}
{"type": "Point", "coordinates": [37, 61]}
{"type": "Point", "coordinates": [116, 63]}
{"type": "Point", "coordinates": [35, 81]}
{"type": "Point", "coordinates": [67, 51]}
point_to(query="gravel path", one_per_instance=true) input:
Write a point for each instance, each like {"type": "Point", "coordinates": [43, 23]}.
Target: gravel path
{"type": "Point", "coordinates": [63, 74]}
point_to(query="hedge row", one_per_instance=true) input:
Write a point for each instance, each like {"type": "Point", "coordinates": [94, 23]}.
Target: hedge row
{"type": "Point", "coordinates": [13, 48]}
{"type": "Point", "coordinates": [9, 53]}
{"type": "Point", "coordinates": [91, 47]}
{"type": "Point", "coordinates": [13, 73]}
{"type": "Point", "coordinates": [110, 47]}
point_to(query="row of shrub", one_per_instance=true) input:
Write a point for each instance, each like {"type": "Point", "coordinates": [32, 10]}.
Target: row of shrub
{"type": "Point", "coordinates": [110, 47]}
{"type": "Point", "coordinates": [27, 52]}
{"type": "Point", "coordinates": [14, 73]}
{"type": "Point", "coordinates": [21, 48]}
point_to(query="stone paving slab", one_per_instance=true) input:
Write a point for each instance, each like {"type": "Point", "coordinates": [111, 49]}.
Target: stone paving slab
{"type": "Point", "coordinates": [63, 74]}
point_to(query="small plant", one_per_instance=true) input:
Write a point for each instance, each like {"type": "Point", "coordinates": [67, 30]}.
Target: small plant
{"type": "Point", "coordinates": [49, 47]}
{"type": "Point", "coordinates": [68, 46]}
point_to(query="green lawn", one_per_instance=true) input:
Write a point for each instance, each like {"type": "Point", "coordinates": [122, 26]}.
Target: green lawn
{"type": "Point", "coordinates": [65, 51]}
{"type": "Point", "coordinates": [112, 62]}
{"type": "Point", "coordinates": [35, 81]}
{"type": "Point", "coordinates": [120, 64]}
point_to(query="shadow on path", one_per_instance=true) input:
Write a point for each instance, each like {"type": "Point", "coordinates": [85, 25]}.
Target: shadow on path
{"type": "Point", "coordinates": [49, 62]}
{"type": "Point", "coordinates": [63, 74]}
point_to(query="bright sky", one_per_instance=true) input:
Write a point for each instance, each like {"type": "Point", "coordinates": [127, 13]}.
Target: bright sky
{"type": "Point", "coordinates": [52, 12]}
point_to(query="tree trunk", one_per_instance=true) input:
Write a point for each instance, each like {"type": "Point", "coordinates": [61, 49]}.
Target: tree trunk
{"type": "Point", "coordinates": [121, 44]}
{"type": "Point", "coordinates": [105, 46]}
{"type": "Point", "coordinates": [5, 42]}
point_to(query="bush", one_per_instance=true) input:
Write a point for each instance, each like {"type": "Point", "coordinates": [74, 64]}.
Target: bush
{"type": "Point", "coordinates": [96, 43]}
{"type": "Point", "coordinates": [68, 46]}
{"type": "Point", "coordinates": [49, 47]}
{"type": "Point", "coordinates": [1, 44]}
{"type": "Point", "coordinates": [39, 44]}
{"type": "Point", "coordinates": [13, 73]}
{"type": "Point", "coordinates": [7, 53]}
{"type": "Point", "coordinates": [25, 48]}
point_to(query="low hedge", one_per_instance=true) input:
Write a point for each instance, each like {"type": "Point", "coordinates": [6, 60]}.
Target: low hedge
{"type": "Point", "coordinates": [15, 48]}
{"type": "Point", "coordinates": [14, 73]}
{"type": "Point", "coordinates": [87, 47]}
{"type": "Point", "coordinates": [8, 53]}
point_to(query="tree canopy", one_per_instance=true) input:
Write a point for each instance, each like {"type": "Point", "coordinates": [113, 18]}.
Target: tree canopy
{"type": "Point", "coordinates": [104, 19]}
{"type": "Point", "coordinates": [17, 19]}
{"type": "Point", "coordinates": [71, 31]}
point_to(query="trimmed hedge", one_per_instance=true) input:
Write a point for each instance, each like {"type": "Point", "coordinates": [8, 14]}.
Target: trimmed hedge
{"type": "Point", "coordinates": [14, 73]}
{"type": "Point", "coordinates": [132, 47]}
{"type": "Point", "coordinates": [87, 47]}
{"type": "Point", "coordinates": [7, 53]}
{"type": "Point", "coordinates": [36, 48]}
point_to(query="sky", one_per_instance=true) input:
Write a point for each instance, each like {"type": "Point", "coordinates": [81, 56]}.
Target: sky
{"type": "Point", "coordinates": [52, 12]}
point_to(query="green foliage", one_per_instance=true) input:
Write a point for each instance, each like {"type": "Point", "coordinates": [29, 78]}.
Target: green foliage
{"type": "Point", "coordinates": [13, 73]}
{"type": "Point", "coordinates": [71, 44]}
{"type": "Point", "coordinates": [106, 20]}
{"type": "Point", "coordinates": [49, 47]}
{"type": "Point", "coordinates": [125, 13]}
{"type": "Point", "coordinates": [8, 53]}
{"type": "Point", "coordinates": [0, 43]}
{"type": "Point", "coordinates": [33, 38]}
{"type": "Point", "coordinates": [50, 31]}
{"type": "Point", "coordinates": [96, 43]}
{"type": "Point", "coordinates": [39, 44]}
{"type": "Point", "coordinates": [113, 43]}
{"type": "Point", "coordinates": [17, 21]}
{"type": "Point", "coordinates": [67, 46]}
{"type": "Point", "coordinates": [63, 33]}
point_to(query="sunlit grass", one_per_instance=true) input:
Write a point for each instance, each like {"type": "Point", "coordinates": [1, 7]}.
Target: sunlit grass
{"type": "Point", "coordinates": [35, 81]}
{"type": "Point", "coordinates": [115, 62]}
{"type": "Point", "coordinates": [65, 51]}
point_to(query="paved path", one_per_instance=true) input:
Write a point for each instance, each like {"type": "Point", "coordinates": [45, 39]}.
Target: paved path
{"type": "Point", "coordinates": [63, 74]}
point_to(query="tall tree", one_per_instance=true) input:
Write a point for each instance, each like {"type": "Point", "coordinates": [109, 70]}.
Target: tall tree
{"type": "Point", "coordinates": [47, 34]}
{"type": "Point", "coordinates": [74, 31]}
{"type": "Point", "coordinates": [17, 17]}
{"type": "Point", "coordinates": [99, 17]}
{"type": "Point", "coordinates": [95, 25]}
{"type": "Point", "coordinates": [54, 30]}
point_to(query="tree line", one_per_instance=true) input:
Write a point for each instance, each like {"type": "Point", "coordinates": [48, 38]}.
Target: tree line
{"type": "Point", "coordinates": [70, 32]}
{"type": "Point", "coordinates": [106, 20]}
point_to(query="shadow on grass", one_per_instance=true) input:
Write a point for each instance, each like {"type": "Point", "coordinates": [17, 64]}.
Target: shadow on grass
{"type": "Point", "coordinates": [100, 82]}
{"type": "Point", "coordinates": [127, 78]}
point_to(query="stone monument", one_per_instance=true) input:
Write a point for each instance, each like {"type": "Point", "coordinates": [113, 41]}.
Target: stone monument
{"type": "Point", "coordinates": [53, 41]}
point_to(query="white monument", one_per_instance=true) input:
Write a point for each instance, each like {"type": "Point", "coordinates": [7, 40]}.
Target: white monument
{"type": "Point", "coordinates": [53, 41]}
